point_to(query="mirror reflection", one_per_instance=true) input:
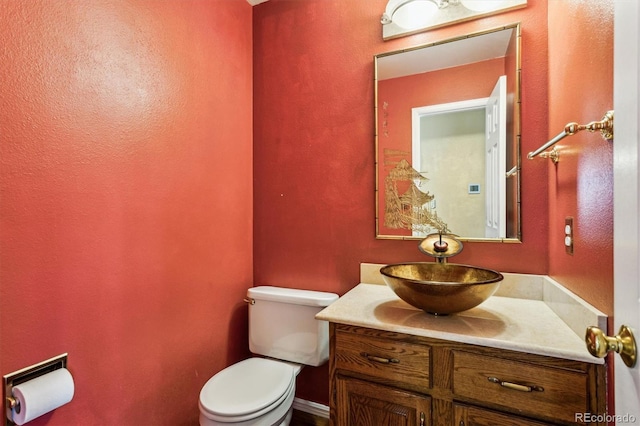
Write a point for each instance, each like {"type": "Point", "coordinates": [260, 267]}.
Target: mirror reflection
{"type": "Point", "coordinates": [447, 139]}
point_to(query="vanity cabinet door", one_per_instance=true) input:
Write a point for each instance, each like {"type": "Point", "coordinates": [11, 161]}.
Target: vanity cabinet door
{"type": "Point", "coordinates": [361, 403]}
{"type": "Point", "coordinates": [465, 415]}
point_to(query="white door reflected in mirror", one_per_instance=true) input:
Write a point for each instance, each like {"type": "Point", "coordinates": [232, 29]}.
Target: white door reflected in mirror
{"type": "Point", "coordinates": [455, 146]}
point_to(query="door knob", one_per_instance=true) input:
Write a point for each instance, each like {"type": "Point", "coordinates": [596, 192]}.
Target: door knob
{"type": "Point", "coordinates": [623, 343]}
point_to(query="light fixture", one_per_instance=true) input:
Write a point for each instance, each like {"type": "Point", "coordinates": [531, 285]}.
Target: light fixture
{"type": "Point", "coordinates": [412, 14]}
{"type": "Point", "coordinates": [482, 5]}
{"type": "Point", "coordinates": [405, 17]}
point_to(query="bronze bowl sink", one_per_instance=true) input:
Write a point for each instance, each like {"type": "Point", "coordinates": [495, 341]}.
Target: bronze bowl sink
{"type": "Point", "coordinates": [441, 288]}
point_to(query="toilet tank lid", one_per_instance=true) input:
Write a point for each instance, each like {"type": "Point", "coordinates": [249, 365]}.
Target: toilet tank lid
{"type": "Point", "coordinates": [292, 295]}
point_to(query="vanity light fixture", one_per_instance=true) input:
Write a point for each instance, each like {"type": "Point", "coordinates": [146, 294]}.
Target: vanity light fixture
{"type": "Point", "coordinates": [482, 5]}
{"type": "Point", "coordinates": [405, 17]}
{"type": "Point", "coordinates": [412, 14]}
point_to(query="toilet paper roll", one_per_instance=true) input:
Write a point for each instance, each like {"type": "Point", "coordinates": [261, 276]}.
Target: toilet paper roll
{"type": "Point", "coordinates": [42, 395]}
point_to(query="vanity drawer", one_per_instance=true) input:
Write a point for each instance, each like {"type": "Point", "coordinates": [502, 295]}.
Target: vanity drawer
{"type": "Point", "coordinates": [394, 361]}
{"type": "Point", "coordinates": [528, 388]}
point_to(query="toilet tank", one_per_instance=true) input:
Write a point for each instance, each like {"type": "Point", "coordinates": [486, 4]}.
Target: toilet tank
{"type": "Point", "coordinates": [282, 324]}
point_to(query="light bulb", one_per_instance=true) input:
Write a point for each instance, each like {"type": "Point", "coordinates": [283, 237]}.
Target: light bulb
{"type": "Point", "coordinates": [415, 14]}
{"type": "Point", "coordinates": [481, 5]}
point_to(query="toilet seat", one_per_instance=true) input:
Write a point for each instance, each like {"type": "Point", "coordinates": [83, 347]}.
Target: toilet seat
{"type": "Point", "coordinates": [247, 389]}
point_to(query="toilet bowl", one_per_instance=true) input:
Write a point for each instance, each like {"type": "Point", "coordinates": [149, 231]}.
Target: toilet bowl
{"type": "Point", "coordinates": [256, 391]}
{"type": "Point", "coordinates": [282, 329]}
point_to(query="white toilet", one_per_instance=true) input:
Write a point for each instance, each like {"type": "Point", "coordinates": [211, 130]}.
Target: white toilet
{"type": "Point", "coordinates": [260, 391]}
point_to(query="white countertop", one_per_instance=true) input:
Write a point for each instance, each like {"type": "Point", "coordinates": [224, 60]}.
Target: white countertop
{"type": "Point", "coordinates": [513, 323]}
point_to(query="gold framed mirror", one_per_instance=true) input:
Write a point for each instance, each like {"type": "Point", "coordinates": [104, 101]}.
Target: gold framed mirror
{"type": "Point", "coordinates": [448, 138]}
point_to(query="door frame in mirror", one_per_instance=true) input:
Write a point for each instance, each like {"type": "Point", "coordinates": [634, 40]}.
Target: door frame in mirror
{"type": "Point", "coordinates": [514, 234]}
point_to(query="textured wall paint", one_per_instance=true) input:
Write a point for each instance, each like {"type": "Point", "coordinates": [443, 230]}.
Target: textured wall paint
{"type": "Point", "coordinates": [314, 148]}
{"type": "Point", "coordinates": [581, 184]}
{"type": "Point", "coordinates": [126, 199]}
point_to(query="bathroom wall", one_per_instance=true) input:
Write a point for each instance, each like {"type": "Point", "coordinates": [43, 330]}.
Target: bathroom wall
{"type": "Point", "coordinates": [125, 199]}
{"type": "Point", "coordinates": [581, 184]}
{"type": "Point", "coordinates": [314, 148]}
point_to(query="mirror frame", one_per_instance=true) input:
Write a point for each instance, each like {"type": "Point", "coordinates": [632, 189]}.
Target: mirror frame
{"type": "Point", "coordinates": [516, 136]}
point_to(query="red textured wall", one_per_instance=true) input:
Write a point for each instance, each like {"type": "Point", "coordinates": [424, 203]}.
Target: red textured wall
{"type": "Point", "coordinates": [126, 199]}
{"type": "Point", "coordinates": [314, 168]}
{"type": "Point", "coordinates": [581, 184]}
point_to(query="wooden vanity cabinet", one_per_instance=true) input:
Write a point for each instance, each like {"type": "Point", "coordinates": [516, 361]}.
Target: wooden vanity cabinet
{"type": "Point", "coordinates": [386, 378]}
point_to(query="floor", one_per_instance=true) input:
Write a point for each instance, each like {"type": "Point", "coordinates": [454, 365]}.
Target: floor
{"type": "Point", "coordinates": [300, 418]}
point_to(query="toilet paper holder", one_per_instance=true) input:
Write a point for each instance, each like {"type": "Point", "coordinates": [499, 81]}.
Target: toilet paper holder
{"type": "Point", "coordinates": [26, 374]}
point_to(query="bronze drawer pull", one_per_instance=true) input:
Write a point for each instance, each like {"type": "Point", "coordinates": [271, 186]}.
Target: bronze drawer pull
{"type": "Point", "coordinates": [516, 386]}
{"type": "Point", "coordinates": [380, 359]}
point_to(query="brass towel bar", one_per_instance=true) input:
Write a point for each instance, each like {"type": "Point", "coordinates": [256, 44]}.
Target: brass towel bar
{"type": "Point", "coordinates": [605, 126]}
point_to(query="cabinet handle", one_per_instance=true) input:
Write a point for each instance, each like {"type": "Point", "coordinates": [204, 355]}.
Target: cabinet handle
{"type": "Point", "coordinates": [422, 419]}
{"type": "Point", "coordinates": [516, 386]}
{"type": "Point", "coordinates": [380, 359]}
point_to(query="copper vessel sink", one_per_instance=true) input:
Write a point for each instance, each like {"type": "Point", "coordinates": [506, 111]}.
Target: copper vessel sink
{"type": "Point", "coordinates": [441, 288]}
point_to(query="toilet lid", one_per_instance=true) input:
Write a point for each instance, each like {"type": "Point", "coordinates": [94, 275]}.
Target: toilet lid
{"type": "Point", "coordinates": [247, 387]}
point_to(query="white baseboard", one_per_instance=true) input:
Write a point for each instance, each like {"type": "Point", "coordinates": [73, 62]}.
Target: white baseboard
{"type": "Point", "coordinates": [311, 407]}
